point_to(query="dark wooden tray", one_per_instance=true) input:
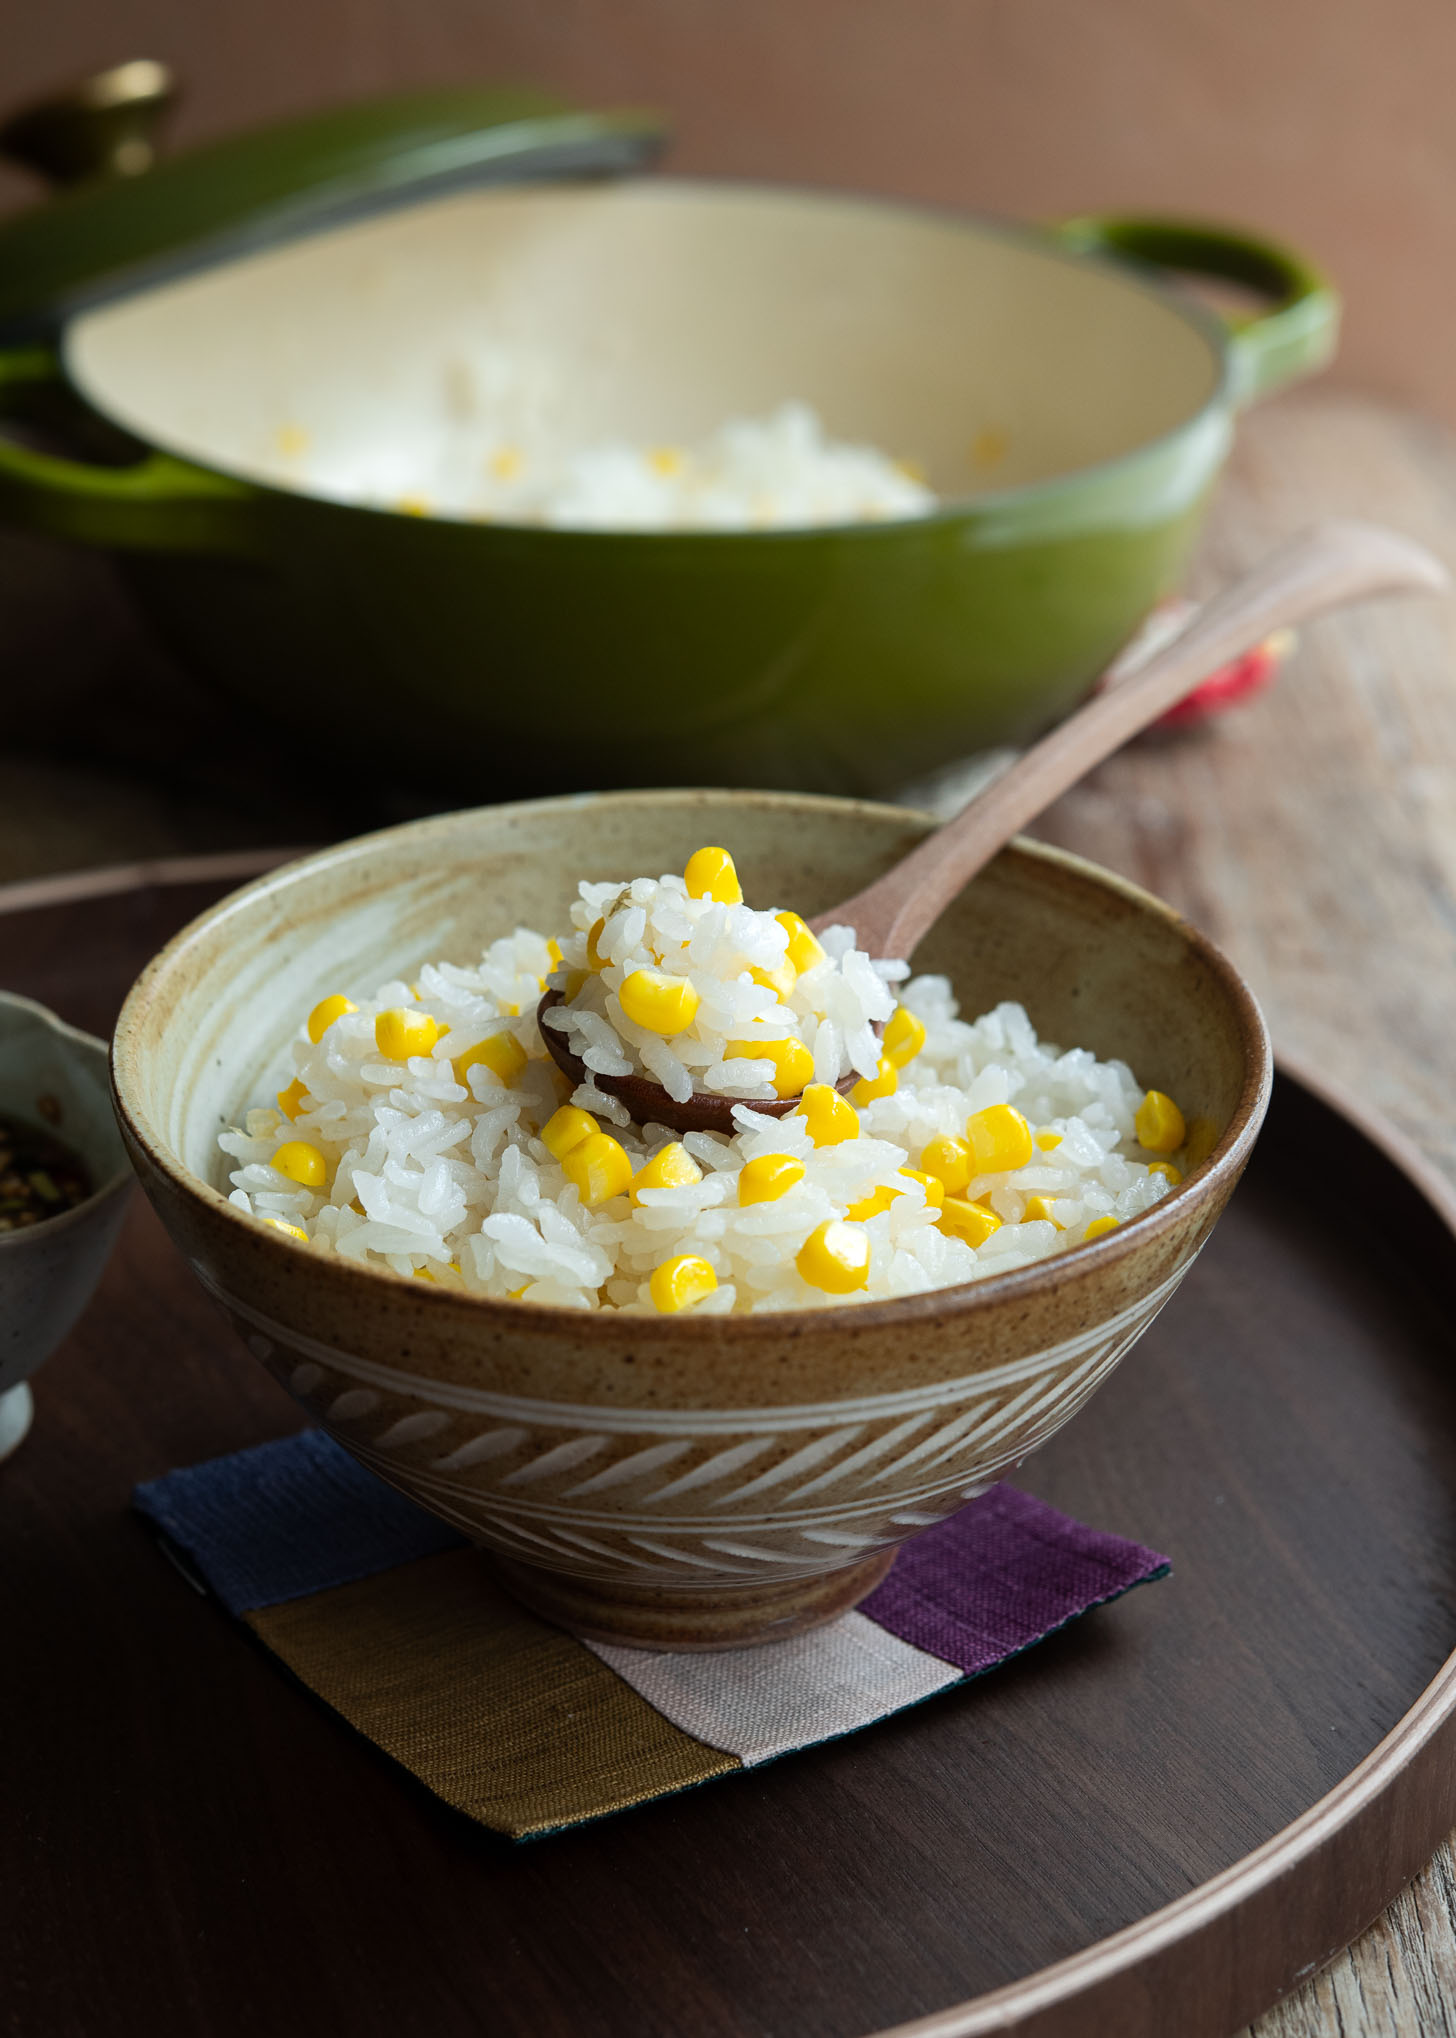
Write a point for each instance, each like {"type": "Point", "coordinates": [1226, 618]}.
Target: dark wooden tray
{"type": "Point", "coordinates": [1152, 1824]}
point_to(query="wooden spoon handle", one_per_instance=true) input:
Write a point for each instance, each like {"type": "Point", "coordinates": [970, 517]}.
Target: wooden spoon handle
{"type": "Point", "coordinates": [1333, 564]}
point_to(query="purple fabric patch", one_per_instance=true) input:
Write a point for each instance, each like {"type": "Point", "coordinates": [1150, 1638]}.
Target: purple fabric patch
{"type": "Point", "coordinates": [998, 1576]}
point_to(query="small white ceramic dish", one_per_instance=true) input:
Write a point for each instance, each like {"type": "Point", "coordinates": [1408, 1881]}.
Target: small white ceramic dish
{"type": "Point", "coordinates": [49, 1271]}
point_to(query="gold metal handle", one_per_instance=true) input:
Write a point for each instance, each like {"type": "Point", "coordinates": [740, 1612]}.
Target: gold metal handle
{"type": "Point", "coordinates": [105, 126]}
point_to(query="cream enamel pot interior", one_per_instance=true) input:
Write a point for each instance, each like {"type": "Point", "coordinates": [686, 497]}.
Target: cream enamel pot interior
{"type": "Point", "coordinates": [1072, 411]}
{"type": "Point", "coordinates": [668, 1481]}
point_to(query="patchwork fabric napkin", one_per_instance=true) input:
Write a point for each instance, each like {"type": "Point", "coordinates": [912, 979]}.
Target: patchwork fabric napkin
{"type": "Point", "coordinates": [399, 1625]}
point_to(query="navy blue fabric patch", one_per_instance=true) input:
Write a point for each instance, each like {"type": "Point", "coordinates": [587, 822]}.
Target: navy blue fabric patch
{"type": "Point", "coordinates": [287, 1519]}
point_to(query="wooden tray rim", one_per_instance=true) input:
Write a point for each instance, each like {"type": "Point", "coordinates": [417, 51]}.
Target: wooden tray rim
{"type": "Point", "coordinates": [1120, 1982]}
{"type": "Point", "coordinates": [1233, 1906]}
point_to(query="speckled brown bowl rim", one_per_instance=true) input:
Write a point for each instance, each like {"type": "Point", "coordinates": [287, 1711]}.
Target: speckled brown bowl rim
{"type": "Point", "coordinates": [991, 1292]}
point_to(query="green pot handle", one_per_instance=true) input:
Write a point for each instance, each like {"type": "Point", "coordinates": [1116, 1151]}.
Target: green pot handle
{"type": "Point", "coordinates": [1293, 338]}
{"type": "Point", "coordinates": [158, 503]}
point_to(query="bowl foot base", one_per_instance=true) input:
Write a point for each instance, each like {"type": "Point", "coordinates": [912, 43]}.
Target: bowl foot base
{"type": "Point", "coordinates": [691, 1617]}
{"type": "Point", "coordinates": [16, 1409]}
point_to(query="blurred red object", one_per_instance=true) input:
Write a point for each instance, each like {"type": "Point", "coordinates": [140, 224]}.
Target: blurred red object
{"type": "Point", "coordinates": [1232, 683]}
{"type": "Point", "coordinates": [1247, 675]}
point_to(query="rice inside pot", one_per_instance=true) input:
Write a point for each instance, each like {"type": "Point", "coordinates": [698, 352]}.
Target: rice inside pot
{"type": "Point", "coordinates": [779, 471]}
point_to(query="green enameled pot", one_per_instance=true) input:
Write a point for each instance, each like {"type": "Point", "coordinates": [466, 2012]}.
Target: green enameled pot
{"type": "Point", "coordinates": [1069, 404]}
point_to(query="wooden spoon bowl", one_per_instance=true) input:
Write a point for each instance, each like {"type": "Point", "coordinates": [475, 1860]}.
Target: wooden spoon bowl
{"type": "Point", "coordinates": [650, 1104]}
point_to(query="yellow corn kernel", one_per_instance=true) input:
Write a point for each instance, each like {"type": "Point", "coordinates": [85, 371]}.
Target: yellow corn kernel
{"type": "Point", "coordinates": [592, 955]}
{"type": "Point", "coordinates": [972, 1222]}
{"type": "Point", "coordinates": [804, 949]}
{"type": "Point", "coordinates": [932, 1185]}
{"type": "Point", "coordinates": [1167, 1170]}
{"type": "Point", "coordinates": [1159, 1122]}
{"type": "Point", "coordinates": [1100, 1224]}
{"type": "Point", "coordinates": [502, 1054]}
{"type": "Point", "coordinates": [772, 1175]}
{"type": "Point", "coordinates": [565, 1129]}
{"type": "Point", "coordinates": [282, 1224]}
{"type": "Point", "coordinates": [402, 1032]}
{"type": "Point", "coordinates": [301, 1163]}
{"type": "Point", "coordinates": [830, 1118]}
{"type": "Point", "coordinates": [835, 1258]}
{"type": "Point", "coordinates": [710, 874]}
{"type": "Point", "coordinates": [553, 949]}
{"type": "Point", "coordinates": [904, 1037]}
{"type": "Point", "coordinates": [884, 1083]}
{"type": "Point", "coordinates": [1038, 1211]}
{"type": "Point", "coordinates": [1048, 1140]}
{"type": "Point", "coordinates": [290, 1101]}
{"type": "Point", "coordinates": [671, 1167]}
{"type": "Point", "coordinates": [575, 978]}
{"type": "Point", "coordinates": [949, 1160]}
{"type": "Point", "coordinates": [679, 1283]}
{"type": "Point", "coordinates": [871, 1205]}
{"type": "Point", "coordinates": [323, 1015]}
{"type": "Point", "coordinates": [661, 1003]}
{"type": "Point", "coordinates": [599, 1167]}
{"type": "Point", "coordinates": [780, 979]}
{"type": "Point", "coordinates": [1000, 1139]}
{"type": "Point", "coordinates": [426, 1274]}
{"type": "Point", "coordinates": [793, 1065]}
{"type": "Point", "coordinates": [515, 1294]}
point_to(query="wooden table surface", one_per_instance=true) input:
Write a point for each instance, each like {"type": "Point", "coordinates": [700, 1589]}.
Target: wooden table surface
{"type": "Point", "coordinates": [1312, 833]}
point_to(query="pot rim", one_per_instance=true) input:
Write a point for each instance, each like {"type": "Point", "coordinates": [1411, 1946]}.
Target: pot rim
{"type": "Point", "coordinates": [1216, 408]}
{"type": "Point", "coordinates": [1023, 1284]}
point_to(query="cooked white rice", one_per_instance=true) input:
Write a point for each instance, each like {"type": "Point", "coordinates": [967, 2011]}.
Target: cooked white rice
{"type": "Point", "coordinates": [427, 1174]}
{"type": "Point", "coordinates": [777, 471]}
{"type": "Point", "coordinates": [655, 925]}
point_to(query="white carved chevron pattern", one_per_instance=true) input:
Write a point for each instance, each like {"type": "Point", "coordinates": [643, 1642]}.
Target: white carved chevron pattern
{"type": "Point", "coordinates": [710, 1495]}
{"type": "Point", "coordinates": [576, 1417]}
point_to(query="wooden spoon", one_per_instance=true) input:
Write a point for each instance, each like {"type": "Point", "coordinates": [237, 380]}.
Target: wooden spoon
{"type": "Point", "coordinates": [1329, 566]}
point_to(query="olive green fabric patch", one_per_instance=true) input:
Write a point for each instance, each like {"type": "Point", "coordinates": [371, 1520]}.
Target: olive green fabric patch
{"type": "Point", "coordinates": [505, 1718]}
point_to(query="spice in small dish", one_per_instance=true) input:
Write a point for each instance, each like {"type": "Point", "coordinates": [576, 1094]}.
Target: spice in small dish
{"type": "Point", "coordinates": [40, 1176]}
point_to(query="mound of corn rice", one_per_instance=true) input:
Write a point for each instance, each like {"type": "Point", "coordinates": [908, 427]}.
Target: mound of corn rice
{"type": "Point", "coordinates": [780, 471]}
{"type": "Point", "coordinates": [427, 1131]}
{"type": "Point", "coordinates": [676, 979]}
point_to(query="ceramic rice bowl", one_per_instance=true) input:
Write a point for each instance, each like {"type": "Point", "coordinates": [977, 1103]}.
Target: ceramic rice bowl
{"type": "Point", "coordinates": [665, 1481]}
